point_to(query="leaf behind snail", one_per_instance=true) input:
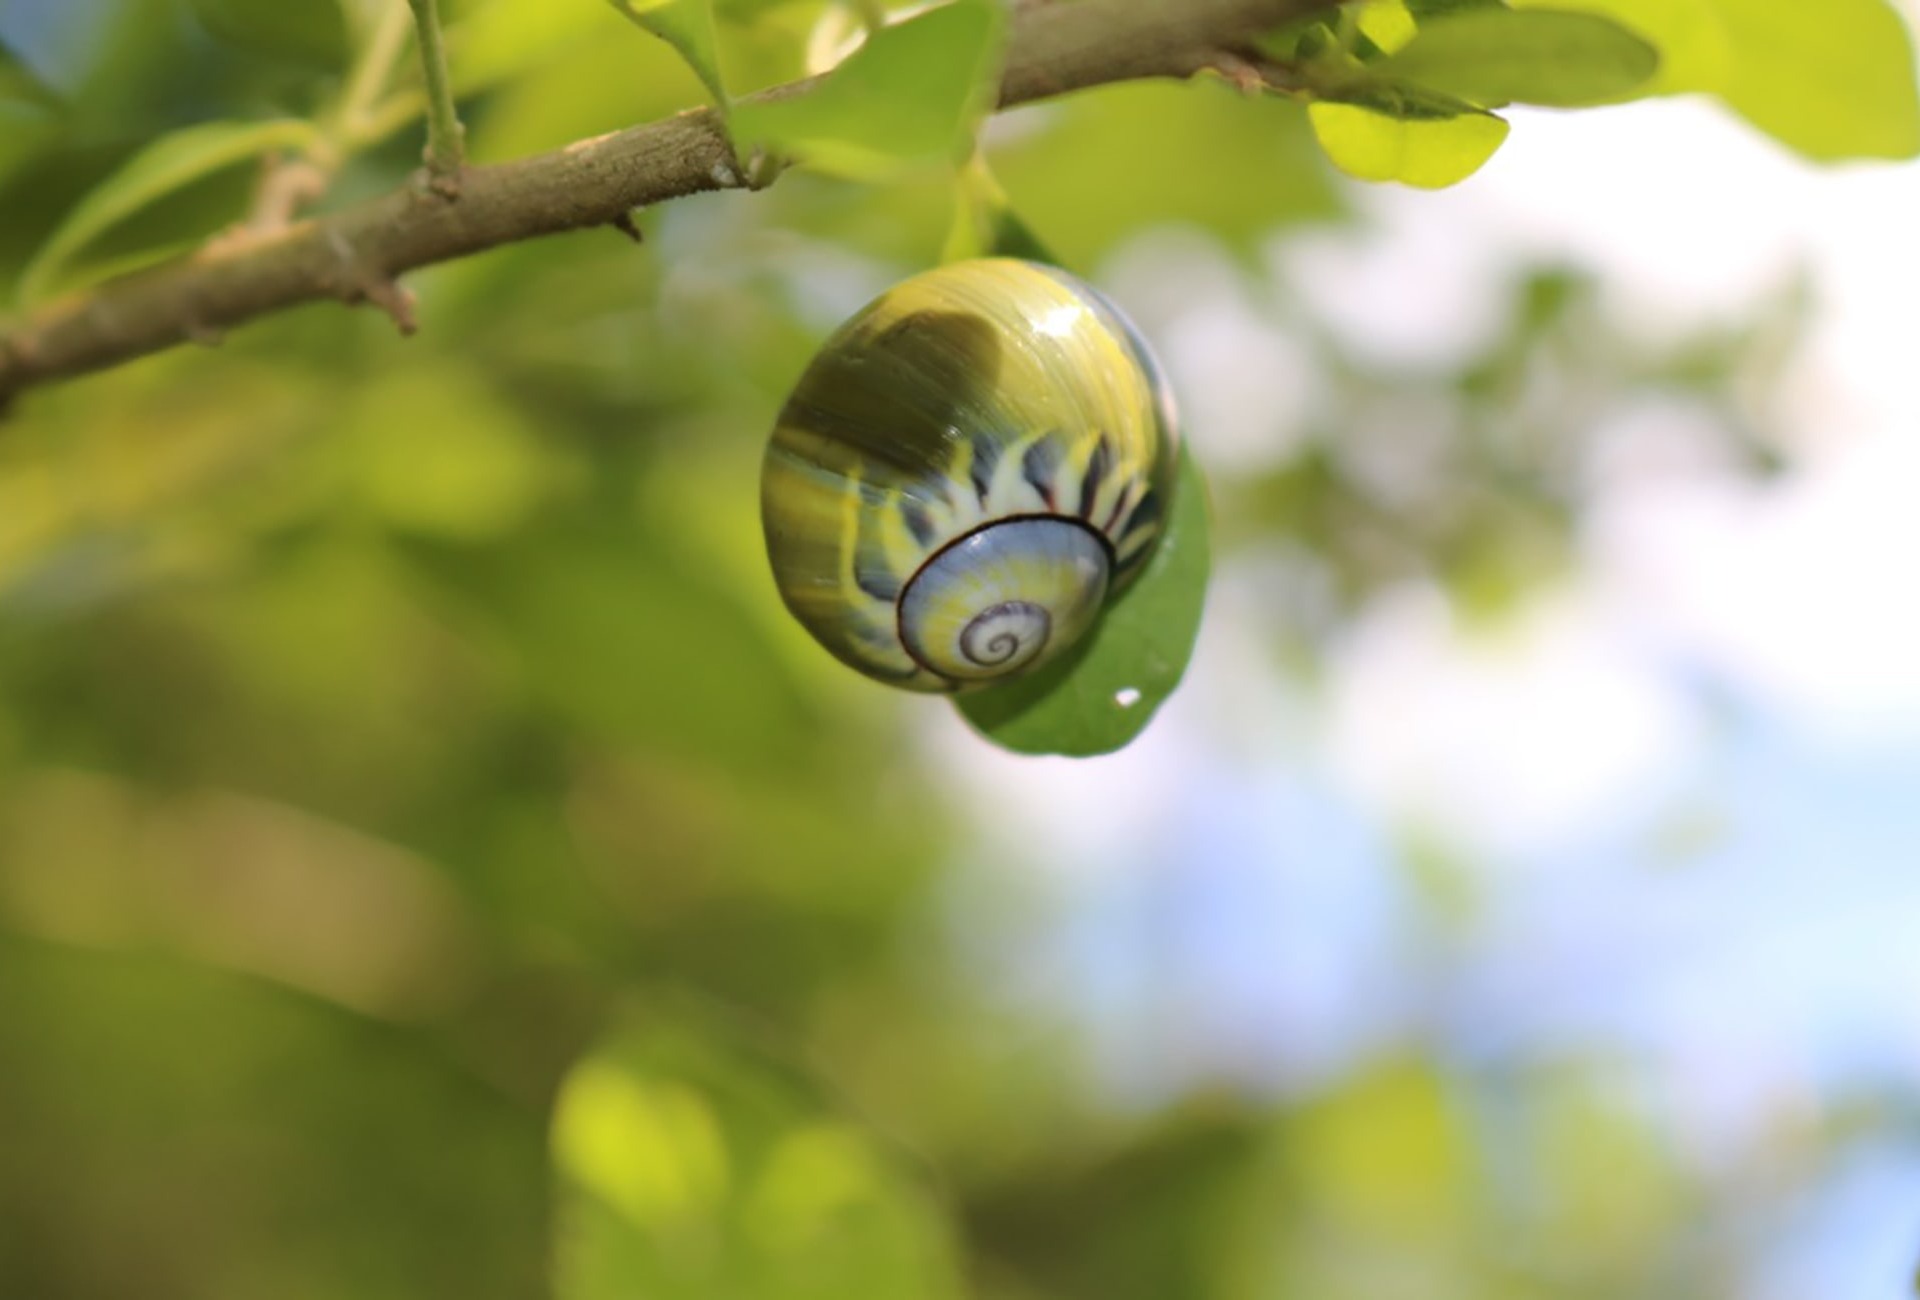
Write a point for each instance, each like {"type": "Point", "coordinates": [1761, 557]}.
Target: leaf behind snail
{"type": "Point", "coordinates": [1102, 694]}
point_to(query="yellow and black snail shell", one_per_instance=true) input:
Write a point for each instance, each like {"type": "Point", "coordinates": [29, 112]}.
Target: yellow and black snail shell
{"type": "Point", "coordinates": [966, 472]}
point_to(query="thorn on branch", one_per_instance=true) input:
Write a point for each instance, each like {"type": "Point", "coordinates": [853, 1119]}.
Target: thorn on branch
{"type": "Point", "coordinates": [624, 223]}
{"type": "Point", "coordinates": [391, 297]}
{"type": "Point", "coordinates": [357, 278]}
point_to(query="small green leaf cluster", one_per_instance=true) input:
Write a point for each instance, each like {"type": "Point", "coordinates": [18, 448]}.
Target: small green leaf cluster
{"type": "Point", "coordinates": [691, 1160]}
{"type": "Point", "coordinates": [331, 80]}
{"type": "Point", "coordinates": [1407, 93]}
{"type": "Point", "coordinates": [1406, 90]}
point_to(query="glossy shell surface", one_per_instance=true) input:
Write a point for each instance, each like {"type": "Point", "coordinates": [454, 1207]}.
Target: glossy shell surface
{"type": "Point", "coordinates": [966, 472]}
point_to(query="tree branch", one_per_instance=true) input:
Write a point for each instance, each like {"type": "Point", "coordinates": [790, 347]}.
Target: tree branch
{"type": "Point", "coordinates": [354, 255]}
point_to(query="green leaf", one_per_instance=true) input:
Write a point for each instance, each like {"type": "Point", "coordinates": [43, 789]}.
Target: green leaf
{"type": "Point", "coordinates": [1233, 166]}
{"type": "Point", "coordinates": [168, 164]}
{"type": "Point", "coordinates": [312, 32]}
{"type": "Point", "coordinates": [692, 1162]}
{"type": "Point", "coordinates": [687, 25]}
{"type": "Point", "coordinates": [503, 42]}
{"type": "Point", "coordinates": [1832, 80]}
{"type": "Point", "coordinates": [1102, 695]}
{"type": "Point", "coordinates": [1389, 24]}
{"type": "Point", "coordinates": [1539, 56]}
{"type": "Point", "coordinates": [1688, 34]}
{"type": "Point", "coordinates": [985, 224]}
{"type": "Point", "coordinates": [913, 94]}
{"type": "Point", "coordinates": [1425, 151]}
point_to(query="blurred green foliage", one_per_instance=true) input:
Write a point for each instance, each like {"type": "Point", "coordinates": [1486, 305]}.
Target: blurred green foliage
{"type": "Point", "coordinates": [694, 1162]}
{"type": "Point", "coordinates": [431, 863]}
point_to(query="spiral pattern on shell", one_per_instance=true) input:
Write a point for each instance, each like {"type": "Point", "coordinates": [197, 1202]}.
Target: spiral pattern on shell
{"type": "Point", "coordinates": [1002, 637]}
{"type": "Point", "coordinates": [965, 473]}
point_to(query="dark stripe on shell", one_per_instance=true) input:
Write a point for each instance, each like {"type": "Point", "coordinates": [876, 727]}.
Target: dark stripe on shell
{"type": "Point", "coordinates": [1146, 514]}
{"type": "Point", "coordinates": [918, 521]}
{"type": "Point", "coordinates": [986, 459]}
{"type": "Point", "coordinates": [1041, 466]}
{"type": "Point", "coordinates": [1134, 550]}
{"type": "Point", "coordinates": [1099, 465]}
{"type": "Point", "coordinates": [887, 672]}
{"type": "Point", "coordinates": [873, 577]}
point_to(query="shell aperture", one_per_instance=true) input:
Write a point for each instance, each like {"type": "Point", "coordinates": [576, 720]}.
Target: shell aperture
{"type": "Point", "coordinates": [1004, 599]}
{"type": "Point", "coordinates": [965, 472]}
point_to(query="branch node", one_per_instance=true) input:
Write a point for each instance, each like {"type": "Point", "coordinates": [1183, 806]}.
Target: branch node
{"type": "Point", "coordinates": [1240, 73]}
{"type": "Point", "coordinates": [763, 169]}
{"type": "Point", "coordinates": [287, 184]}
{"type": "Point", "coordinates": [1252, 72]}
{"type": "Point", "coordinates": [624, 223]}
{"type": "Point", "coordinates": [444, 184]}
{"type": "Point", "coordinates": [207, 336]}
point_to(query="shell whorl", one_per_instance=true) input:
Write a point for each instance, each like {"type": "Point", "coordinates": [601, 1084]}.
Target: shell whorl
{"type": "Point", "coordinates": [965, 472]}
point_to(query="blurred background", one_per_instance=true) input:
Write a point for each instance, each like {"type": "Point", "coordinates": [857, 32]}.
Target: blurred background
{"type": "Point", "coordinates": [431, 863]}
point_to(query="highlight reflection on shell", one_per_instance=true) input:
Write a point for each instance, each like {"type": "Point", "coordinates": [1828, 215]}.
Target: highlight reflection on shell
{"type": "Point", "coordinates": [968, 469]}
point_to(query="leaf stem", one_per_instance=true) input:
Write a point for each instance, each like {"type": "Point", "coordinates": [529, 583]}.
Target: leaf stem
{"type": "Point", "coordinates": [446, 138]}
{"type": "Point", "coordinates": [367, 80]}
{"type": "Point", "coordinates": [289, 182]}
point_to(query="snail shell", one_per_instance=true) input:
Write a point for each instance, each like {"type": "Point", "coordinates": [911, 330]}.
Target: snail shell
{"type": "Point", "coordinates": [969, 468]}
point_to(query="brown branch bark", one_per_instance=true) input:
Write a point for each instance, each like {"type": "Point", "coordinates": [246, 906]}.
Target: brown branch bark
{"type": "Point", "coordinates": [354, 255]}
